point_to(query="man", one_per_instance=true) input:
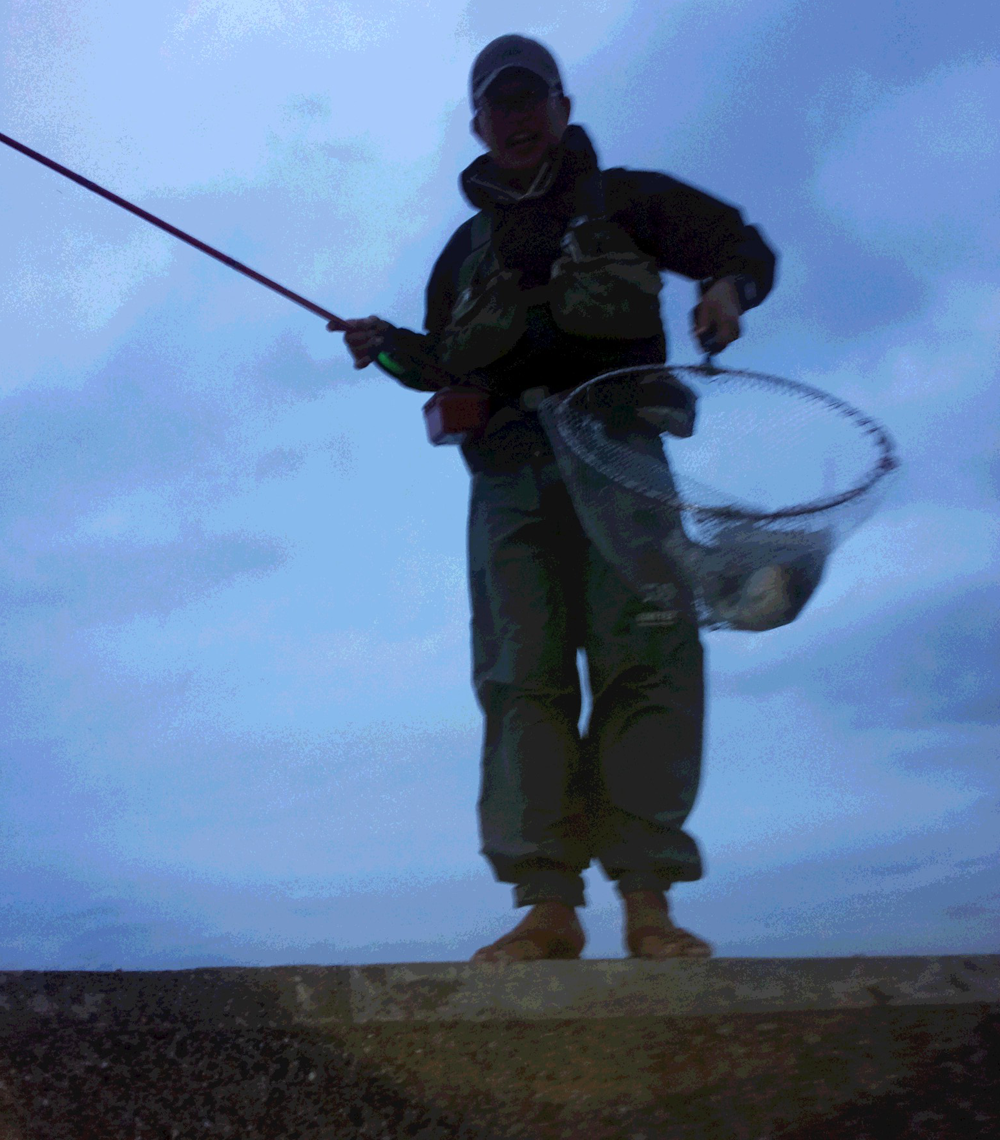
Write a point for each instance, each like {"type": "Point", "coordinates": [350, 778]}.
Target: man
{"type": "Point", "coordinates": [504, 308]}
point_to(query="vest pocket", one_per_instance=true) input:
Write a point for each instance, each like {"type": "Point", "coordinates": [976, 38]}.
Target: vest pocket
{"type": "Point", "coordinates": [485, 325]}
{"type": "Point", "coordinates": [603, 285]}
{"type": "Point", "coordinates": [611, 295]}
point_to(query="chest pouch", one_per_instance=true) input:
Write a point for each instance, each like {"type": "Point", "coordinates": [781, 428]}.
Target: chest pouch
{"type": "Point", "coordinates": [488, 320]}
{"type": "Point", "coordinates": [603, 285]}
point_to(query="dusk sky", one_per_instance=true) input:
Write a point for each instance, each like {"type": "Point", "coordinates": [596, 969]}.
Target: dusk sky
{"type": "Point", "coordinates": [236, 719]}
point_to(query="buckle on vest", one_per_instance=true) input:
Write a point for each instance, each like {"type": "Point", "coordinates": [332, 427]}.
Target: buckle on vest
{"type": "Point", "coordinates": [532, 397]}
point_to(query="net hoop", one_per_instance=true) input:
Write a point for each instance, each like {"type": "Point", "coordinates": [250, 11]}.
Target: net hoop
{"type": "Point", "coordinates": [691, 522]}
{"type": "Point", "coordinates": [562, 405]}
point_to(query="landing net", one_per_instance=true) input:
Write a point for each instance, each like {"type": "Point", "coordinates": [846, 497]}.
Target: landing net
{"type": "Point", "coordinates": [736, 522]}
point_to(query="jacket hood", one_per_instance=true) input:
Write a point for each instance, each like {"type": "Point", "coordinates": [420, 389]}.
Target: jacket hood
{"type": "Point", "coordinates": [573, 158]}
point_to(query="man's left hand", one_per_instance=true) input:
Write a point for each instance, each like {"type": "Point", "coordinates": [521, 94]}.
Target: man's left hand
{"type": "Point", "coordinates": [719, 309]}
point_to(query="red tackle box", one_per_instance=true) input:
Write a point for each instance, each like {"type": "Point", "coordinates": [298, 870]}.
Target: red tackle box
{"type": "Point", "coordinates": [452, 414]}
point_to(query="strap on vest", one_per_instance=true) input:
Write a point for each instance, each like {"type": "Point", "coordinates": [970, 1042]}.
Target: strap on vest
{"type": "Point", "coordinates": [482, 233]}
{"type": "Point", "coordinates": [590, 198]}
{"type": "Point", "coordinates": [482, 230]}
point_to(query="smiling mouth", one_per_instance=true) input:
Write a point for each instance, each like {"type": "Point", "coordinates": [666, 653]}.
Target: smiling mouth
{"type": "Point", "coordinates": [518, 141]}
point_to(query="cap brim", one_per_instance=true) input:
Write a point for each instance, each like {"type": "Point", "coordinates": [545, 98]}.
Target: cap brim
{"type": "Point", "coordinates": [486, 83]}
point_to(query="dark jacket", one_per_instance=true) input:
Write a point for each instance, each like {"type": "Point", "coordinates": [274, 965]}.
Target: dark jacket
{"type": "Point", "coordinates": [684, 229]}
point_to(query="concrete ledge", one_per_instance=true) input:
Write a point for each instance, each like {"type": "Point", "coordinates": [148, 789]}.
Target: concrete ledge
{"type": "Point", "coordinates": [728, 1049]}
{"type": "Point", "coordinates": [457, 991]}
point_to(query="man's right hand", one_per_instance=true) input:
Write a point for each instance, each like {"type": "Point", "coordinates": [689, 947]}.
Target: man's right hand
{"type": "Point", "coordinates": [363, 338]}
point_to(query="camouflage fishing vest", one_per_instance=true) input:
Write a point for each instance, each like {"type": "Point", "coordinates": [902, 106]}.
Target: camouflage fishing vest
{"type": "Point", "coordinates": [601, 285]}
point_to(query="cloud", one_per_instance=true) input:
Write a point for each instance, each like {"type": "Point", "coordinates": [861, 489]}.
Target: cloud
{"type": "Point", "coordinates": [989, 907]}
{"type": "Point", "coordinates": [175, 418]}
{"type": "Point", "coordinates": [215, 27]}
{"type": "Point", "coordinates": [88, 281]}
{"type": "Point", "coordinates": [111, 580]}
{"type": "Point", "coordinates": [914, 918]}
{"type": "Point", "coordinates": [278, 463]}
{"type": "Point", "coordinates": [914, 174]}
{"type": "Point", "coordinates": [571, 31]}
{"type": "Point", "coordinates": [64, 450]}
{"type": "Point", "coordinates": [784, 775]}
{"type": "Point", "coordinates": [894, 870]}
{"type": "Point", "coordinates": [933, 662]}
{"type": "Point", "coordinates": [229, 20]}
{"type": "Point", "coordinates": [124, 781]}
{"type": "Point", "coordinates": [282, 653]}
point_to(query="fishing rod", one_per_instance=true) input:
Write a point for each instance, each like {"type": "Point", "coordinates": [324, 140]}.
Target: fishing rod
{"type": "Point", "coordinates": [449, 414]}
{"type": "Point", "coordinates": [434, 408]}
{"type": "Point", "coordinates": [336, 321]}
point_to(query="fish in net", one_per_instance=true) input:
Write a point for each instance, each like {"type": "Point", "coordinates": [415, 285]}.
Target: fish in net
{"type": "Point", "coordinates": [716, 492]}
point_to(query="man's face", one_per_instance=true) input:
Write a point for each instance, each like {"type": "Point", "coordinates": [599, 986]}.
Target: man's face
{"type": "Point", "coordinates": [519, 121]}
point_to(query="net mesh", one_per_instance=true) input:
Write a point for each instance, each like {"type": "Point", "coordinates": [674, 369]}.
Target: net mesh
{"type": "Point", "coordinates": [734, 523]}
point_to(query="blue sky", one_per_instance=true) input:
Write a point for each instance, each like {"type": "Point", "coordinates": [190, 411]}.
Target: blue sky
{"type": "Point", "coordinates": [236, 722]}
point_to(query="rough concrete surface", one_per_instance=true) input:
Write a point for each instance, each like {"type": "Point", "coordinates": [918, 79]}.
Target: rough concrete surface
{"type": "Point", "coordinates": [202, 1055]}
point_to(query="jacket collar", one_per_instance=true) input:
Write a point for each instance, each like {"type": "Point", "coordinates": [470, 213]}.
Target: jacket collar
{"type": "Point", "coordinates": [574, 158]}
